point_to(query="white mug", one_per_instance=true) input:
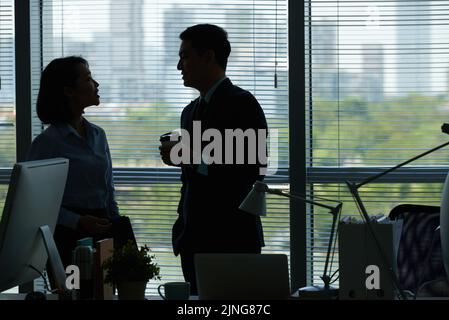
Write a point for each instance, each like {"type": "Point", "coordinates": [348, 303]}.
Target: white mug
{"type": "Point", "coordinates": [175, 290]}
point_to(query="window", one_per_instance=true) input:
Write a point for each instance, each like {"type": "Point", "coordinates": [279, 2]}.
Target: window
{"type": "Point", "coordinates": [7, 91]}
{"type": "Point", "coordinates": [376, 95]}
{"type": "Point", "coordinates": [132, 48]}
{"type": "Point", "coordinates": [7, 98]}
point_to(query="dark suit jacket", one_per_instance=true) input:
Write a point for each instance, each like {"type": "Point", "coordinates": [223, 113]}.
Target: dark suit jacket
{"type": "Point", "coordinates": [209, 219]}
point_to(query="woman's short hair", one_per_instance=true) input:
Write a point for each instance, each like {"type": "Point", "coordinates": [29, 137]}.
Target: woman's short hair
{"type": "Point", "coordinates": [208, 36]}
{"type": "Point", "coordinates": [52, 103]}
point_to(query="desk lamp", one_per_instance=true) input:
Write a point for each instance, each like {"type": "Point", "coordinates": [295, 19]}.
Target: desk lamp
{"type": "Point", "coordinates": [255, 203]}
{"type": "Point", "coordinates": [353, 188]}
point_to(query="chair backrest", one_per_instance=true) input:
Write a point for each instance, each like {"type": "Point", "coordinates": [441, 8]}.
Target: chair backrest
{"type": "Point", "coordinates": [418, 230]}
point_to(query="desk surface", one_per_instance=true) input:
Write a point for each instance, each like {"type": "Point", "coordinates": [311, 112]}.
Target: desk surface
{"type": "Point", "coordinates": [21, 296]}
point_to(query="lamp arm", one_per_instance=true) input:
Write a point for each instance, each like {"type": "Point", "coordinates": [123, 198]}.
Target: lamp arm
{"type": "Point", "coordinates": [376, 176]}
{"type": "Point", "coordinates": [336, 217]}
{"type": "Point", "coordinates": [294, 196]}
{"type": "Point", "coordinates": [355, 193]}
{"type": "Point", "coordinates": [335, 211]}
{"type": "Point", "coordinates": [353, 188]}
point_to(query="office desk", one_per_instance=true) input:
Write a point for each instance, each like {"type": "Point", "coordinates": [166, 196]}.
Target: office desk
{"type": "Point", "coordinates": [54, 297]}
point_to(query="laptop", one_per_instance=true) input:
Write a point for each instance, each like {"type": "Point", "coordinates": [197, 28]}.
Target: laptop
{"type": "Point", "coordinates": [237, 276]}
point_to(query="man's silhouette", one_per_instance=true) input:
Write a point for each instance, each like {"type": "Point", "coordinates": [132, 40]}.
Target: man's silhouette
{"type": "Point", "coordinates": [209, 219]}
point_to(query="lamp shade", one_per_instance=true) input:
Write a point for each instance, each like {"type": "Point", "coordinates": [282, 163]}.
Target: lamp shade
{"type": "Point", "coordinates": [255, 202]}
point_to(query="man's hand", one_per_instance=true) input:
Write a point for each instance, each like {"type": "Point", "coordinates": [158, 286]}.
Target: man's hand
{"type": "Point", "coordinates": [93, 225]}
{"type": "Point", "coordinates": [164, 150]}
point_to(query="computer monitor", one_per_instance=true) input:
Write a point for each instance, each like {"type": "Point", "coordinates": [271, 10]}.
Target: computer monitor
{"type": "Point", "coordinates": [29, 217]}
{"type": "Point", "coordinates": [444, 225]}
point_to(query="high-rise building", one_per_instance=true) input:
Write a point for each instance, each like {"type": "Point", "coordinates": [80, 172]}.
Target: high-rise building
{"type": "Point", "coordinates": [372, 84]}
{"type": "Point", "coordinates": [413, 58]}
{"type": "Point", "coordinates": [127, 48]}
{"type": "Point", "coordinates": [176, 19]}
{"type": "Point", "coordinates": [324, 60]}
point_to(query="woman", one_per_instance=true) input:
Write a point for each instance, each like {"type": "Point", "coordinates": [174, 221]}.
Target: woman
{"type": "Point", "coordinates": [88, 207]}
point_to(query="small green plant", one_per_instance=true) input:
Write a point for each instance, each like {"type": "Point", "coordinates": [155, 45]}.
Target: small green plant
{"type": "Point", "coordinates": [130, 264]}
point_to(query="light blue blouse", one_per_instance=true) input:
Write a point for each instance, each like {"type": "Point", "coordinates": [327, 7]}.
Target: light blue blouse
{"type": "Point", "coordinates": [89, 181]}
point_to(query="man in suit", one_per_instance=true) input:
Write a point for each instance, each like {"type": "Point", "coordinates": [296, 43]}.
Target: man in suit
{"type": "Point", "coordinates": [209, 220]}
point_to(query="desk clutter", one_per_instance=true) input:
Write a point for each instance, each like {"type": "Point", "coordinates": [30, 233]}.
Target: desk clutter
{"type": "Point", "coordinates": [89, 260]}
{"type": "Point", "coordinates": [406, 236]}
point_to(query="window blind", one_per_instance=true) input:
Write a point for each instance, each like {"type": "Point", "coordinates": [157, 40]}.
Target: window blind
{"type": "Point", "coordinates": [132, 48]}
{"type": "Point", "coordinates": [7, 87]}
{"type": "Point", "coordinates": [376, 95]}
{"type": "Point", "coordinates": [7, 97]}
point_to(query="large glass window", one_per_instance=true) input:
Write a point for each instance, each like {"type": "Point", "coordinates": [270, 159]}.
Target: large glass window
{"type": "Point", "coordinates": [7, 87]}
{"type": "Point", "coordinates": [132, 48]}
{"type": "Point", "coordinates": [376, 95]}
{"type": "Point", "coordinates": [7, 97]}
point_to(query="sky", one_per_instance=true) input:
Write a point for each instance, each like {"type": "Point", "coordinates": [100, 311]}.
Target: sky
{"type": "Point", "coordinates": [375, 25]}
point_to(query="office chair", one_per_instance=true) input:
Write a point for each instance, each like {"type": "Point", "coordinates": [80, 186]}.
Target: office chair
{"type": "Point", "coordinates": [420, 266]}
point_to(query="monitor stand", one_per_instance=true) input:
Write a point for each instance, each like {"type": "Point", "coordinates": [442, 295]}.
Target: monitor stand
{"type": "Point", "coordinates": [54, 259]}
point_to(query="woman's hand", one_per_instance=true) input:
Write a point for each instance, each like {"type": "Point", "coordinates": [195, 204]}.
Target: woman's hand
{"type": "Point", "coordinates": [93, 225]}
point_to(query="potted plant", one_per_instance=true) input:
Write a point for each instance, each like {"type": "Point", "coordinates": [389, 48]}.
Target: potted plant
{"type": "Point", "coordinates": [130, 268]}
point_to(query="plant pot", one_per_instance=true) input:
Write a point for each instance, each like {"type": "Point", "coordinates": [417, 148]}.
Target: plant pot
{"type": "Point", "coordinates": [131, 290]}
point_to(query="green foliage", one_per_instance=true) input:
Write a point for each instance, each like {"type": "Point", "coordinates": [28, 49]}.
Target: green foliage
{"type": "Point", "coordinates": [353, 132]}
{"type": "Point", "coordinates": [131, 264]}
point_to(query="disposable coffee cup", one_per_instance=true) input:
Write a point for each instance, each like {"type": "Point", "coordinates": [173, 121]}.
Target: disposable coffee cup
{"type": "Point", "coordinates": [168, 141]}
{"type": "Point", "coordinates": [175, 290]}
{"type": "Point", "coordinates": [170, 138]}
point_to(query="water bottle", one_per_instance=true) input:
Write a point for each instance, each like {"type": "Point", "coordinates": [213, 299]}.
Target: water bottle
{"type": "Point", "coordinates": [84, 261]}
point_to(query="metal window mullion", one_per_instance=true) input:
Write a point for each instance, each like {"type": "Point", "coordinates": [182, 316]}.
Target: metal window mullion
{"type": "Point", "coordinates": [297, 145]}
{"type": "Point", "coordinates": [23, 78]}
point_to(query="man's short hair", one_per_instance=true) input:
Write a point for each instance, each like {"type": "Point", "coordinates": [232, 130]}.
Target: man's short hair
{"type": "Point", "coordinates": [205, 37]}
{"type": "Point", "coordinates": [52, 103]}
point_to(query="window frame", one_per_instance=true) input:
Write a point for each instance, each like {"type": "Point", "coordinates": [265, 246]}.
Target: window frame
{"type": "Point", "coordinates": [300, 175]}
{"type": "Point", "coordinates": [339, 175]}
{"type": "Point", "coordinates": [24, 110]}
